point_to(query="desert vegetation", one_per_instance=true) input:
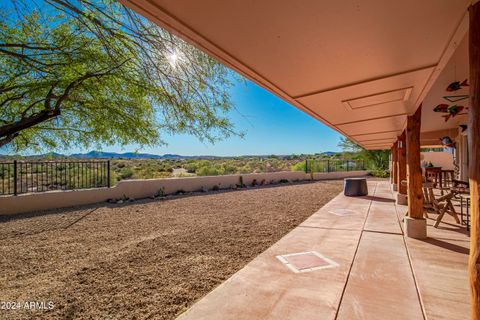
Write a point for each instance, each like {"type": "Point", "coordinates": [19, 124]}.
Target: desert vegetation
{"type": "Point", "coordinates": [151, 168]}
{"type": "Point", "coordinates": [49, 172]}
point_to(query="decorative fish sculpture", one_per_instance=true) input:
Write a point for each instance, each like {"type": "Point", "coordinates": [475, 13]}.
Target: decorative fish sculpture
{"type": "Point", "coordinates": [457, 85]}
{"type": "Point", "coordinates": [451, 110]}
{"type": "Point", "coordinates": [441, 108]}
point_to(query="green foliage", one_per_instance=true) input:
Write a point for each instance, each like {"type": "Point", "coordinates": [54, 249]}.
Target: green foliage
{"type": "Point", "coordinates": [242, 185]}
{"type": "Point", "coordinates": [300, 166]}
{"type": "Point", "coordinates": [125, 173]}
{"type": "Point", "coordinates": [150, 169]}
{"type": "Point", "coordinates": [207, 171]}
{"type": "Point", "coordinates": [380, 173]}
{"type": "Point", "coordinates": [92, 73]}
{"type": "Point", "coordinates": [160, 193]}
{"type": "Point", "coordinates": [375, 160]}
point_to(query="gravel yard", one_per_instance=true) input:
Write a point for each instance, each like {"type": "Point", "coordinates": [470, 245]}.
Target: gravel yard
{"type": "Point", "coordinates": [149, 259]}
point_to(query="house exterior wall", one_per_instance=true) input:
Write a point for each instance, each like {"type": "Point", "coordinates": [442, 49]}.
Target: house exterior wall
{"type": "Point", "coordinates": [439, 159]}
{"type": "Point", "coordinates": [138, 189]}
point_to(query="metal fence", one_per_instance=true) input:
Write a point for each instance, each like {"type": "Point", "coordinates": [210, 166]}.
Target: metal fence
{"type": "Point", "coordinates": [333, 165]}
{"type": "Point", "coordinates": [38, 176]}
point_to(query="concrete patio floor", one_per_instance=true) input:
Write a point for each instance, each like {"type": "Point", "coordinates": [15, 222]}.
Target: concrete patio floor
{"type": "Point", "coordinates": [376, 273]}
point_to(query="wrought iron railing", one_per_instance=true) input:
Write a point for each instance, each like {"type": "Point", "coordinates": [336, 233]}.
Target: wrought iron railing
{"type": "Point", "coordinates": [333, 165]}
{"type": "Point", "coordinates": [18, 177]}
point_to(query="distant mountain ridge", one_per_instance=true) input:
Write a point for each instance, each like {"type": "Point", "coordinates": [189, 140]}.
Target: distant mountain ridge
{"type": "Point", "coordinates": [127, 155]}
{"type": "Point", "coordinates": [135, 155]}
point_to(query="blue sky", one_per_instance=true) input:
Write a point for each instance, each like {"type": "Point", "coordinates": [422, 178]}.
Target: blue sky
{"type": "Point", "coordinates": [271, 126]}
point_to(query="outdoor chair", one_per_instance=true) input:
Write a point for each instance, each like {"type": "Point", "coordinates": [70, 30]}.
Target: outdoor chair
{"type": "Point", "coordinates": [427, 201]}
{"type": "Point", "coordinates": [459, 183]}
{"type": "Point", "coordinates": [458, 187]}
{"type": "Point", "coordinates": [439, 205]}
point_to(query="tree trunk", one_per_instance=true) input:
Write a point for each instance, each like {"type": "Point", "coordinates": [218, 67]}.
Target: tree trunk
{"type": "Point", "coordinates": [414, 178]}
{"type": "Point", "coordinates": [402, 164]}
{"type": "Point", "coordinates": [474, 159]}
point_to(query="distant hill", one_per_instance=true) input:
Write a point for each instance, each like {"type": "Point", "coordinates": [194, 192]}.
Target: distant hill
{"type": "Point", "coordinates": [135, 155]}
{"type": "Point", "coordinates": [126, 155]}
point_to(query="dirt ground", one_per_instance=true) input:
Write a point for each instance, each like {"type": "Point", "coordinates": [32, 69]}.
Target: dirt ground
{"type": "Point", "coordinates": [149, 259]}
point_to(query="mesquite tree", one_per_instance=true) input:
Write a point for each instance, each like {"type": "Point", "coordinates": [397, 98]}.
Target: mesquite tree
{"type": "Point", "coordinates": [375, 159]}
{"type": "Point", "coordinates": [93, 72]}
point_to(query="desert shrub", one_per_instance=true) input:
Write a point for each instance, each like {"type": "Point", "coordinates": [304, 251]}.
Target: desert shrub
{"type": "Point", "coordinates": [160, 193]}
{"type": "Point", "coordinates": [300, 166]}
{"type": "Point", "coordinates": [283, 181]}
{"type": "Point", "coordinates": [244, 169]}
{"type": "Point", "coordinates": [125, 173]}
{"type": "Point", "coordinates": [207, 171]}
{"type": "Point", "coordinates": [380, 173]}
{"type": "Point", "coordinates": [242, 185]}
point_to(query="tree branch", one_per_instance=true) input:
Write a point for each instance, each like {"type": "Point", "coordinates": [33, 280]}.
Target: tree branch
{"type": "Point", "coordinates": [8, 139]}
{"type": "Point", "coordinates": [14, 128]}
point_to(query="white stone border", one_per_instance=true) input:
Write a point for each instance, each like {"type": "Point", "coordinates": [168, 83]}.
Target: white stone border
{"type": "Point", "coordinates": [331, 263]}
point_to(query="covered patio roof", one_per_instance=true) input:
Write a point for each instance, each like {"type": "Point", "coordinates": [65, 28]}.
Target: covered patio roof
{"type": "Point", "coordinates": [360, 67]}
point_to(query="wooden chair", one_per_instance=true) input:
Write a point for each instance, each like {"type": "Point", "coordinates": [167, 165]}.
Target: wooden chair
{"type": "Point", "coordinates": [439, 205]}
{"type": "Point", "coordinates": [432, 174]}
{"type": "Point", "coordinates": [427, 201]}
{"type": "Point", "coordinates": [447, 178]}
{"type": "Point", "coordinates": [459, 183]}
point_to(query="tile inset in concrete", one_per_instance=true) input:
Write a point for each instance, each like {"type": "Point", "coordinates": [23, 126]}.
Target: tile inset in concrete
{"type": "Point", "coordinates": [306, 261]}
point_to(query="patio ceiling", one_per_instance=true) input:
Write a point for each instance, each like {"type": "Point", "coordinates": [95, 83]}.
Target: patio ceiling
{"type": "Point", "coordinates": [359, 66]}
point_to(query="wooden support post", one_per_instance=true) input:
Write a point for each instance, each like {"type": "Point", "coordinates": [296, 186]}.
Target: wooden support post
{"type": "Point", "coordinates": [414, 181]}
{"type": "Point", "coordinates": [474, 160]}
{"type": "Point", "coordinates": [402, 163]}
{"type": "Point", "coordinates": [415, 224]}
{"type": "Point", "coordinates": [394, 166]}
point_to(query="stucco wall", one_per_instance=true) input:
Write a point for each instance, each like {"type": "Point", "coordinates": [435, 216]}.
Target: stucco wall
{"type": "Point", "coordinates": [438, 159]}
{"type": "Point", "coordinates": [146, 188]}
